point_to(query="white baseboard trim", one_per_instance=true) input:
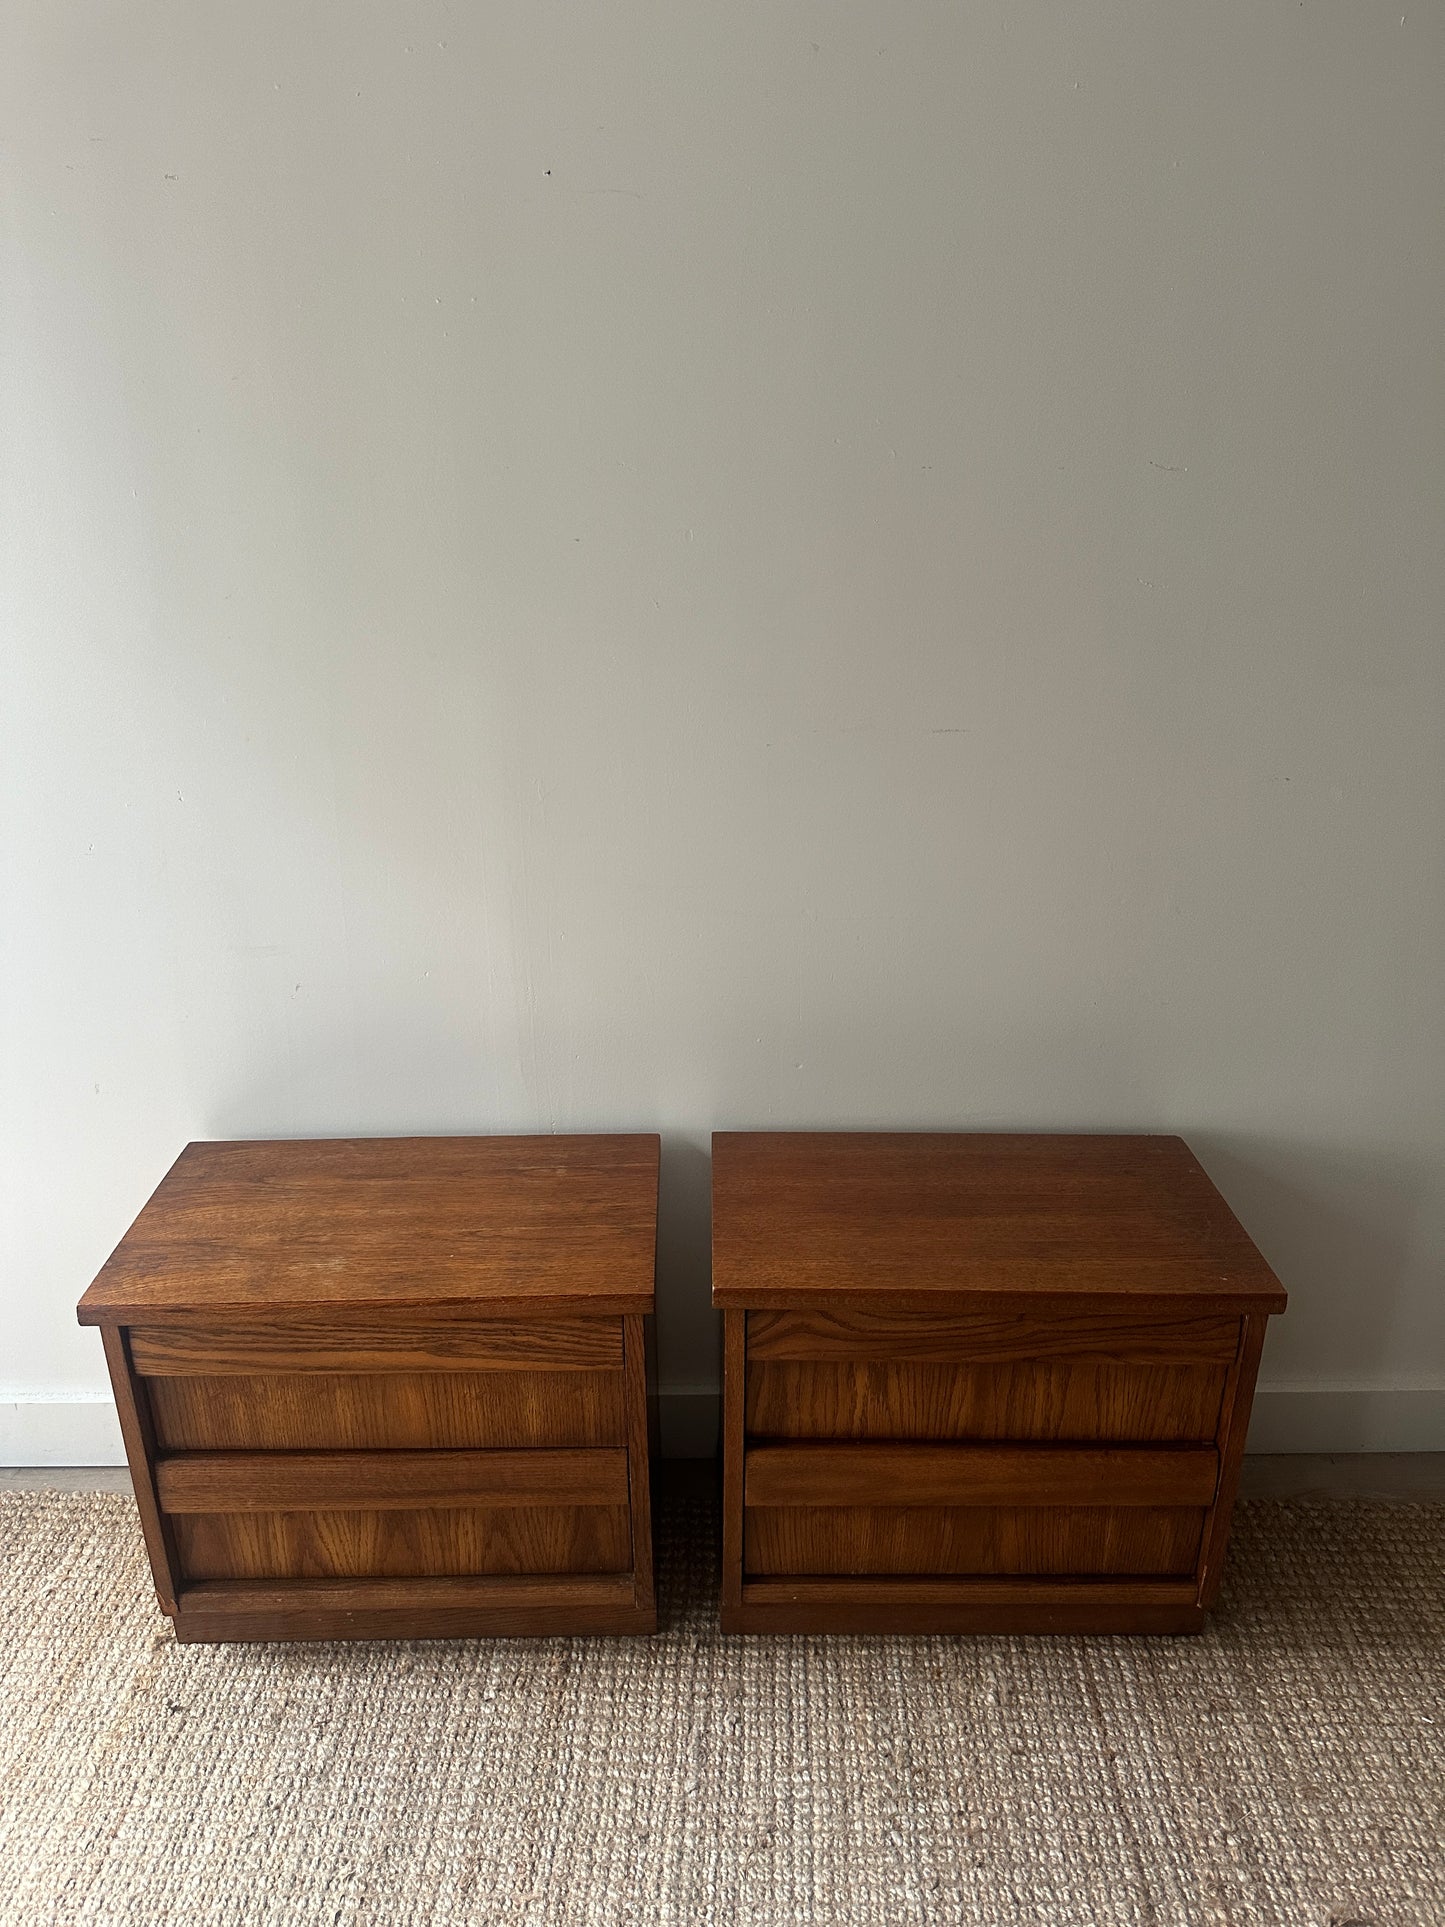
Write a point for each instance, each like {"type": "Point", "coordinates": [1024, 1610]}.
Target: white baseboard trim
{"type": "Point", "coordinates": [60, 1431]}
{"type": "Point", "coordinates": [1287, 1418]}
{"type": "Point", "coordinates": [1348, 1418]}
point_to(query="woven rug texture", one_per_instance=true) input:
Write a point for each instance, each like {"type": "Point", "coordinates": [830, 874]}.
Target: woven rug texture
{"type": "Point", "coordinates": [1284, 1768]}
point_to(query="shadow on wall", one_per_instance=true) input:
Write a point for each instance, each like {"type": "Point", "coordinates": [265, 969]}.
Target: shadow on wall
{"type": "Point", "coordinates": [689, 1340]}
{"type": "Point", "coordinates": [1338, 1230]}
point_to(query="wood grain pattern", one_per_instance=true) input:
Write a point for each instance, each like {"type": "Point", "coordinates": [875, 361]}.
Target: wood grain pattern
{"type": "Point", "coordinates": [978, 1361]}
{"type": "Point", "coordinates": [1233, 1426]}
{"type": "Point", "coordinates": [891, 1475]}
{"type": "Point", "coordinates": [353, 1346]}
{"type": "Point", "coordinates": [375, 1481]}
{"type": "Point", "coordinates": [424, 1543]}
{"type": "Point", "coordinates": [971, 1539]}
{"type": "Point", "coordinates": [1046, 1399]}
{"type": "Point", "coordinates": [992, 1337]}
{"type": "Point", "coordinates": [413, 1608]}
{"type": "Point", "coordinates": [138, 1434]}
{"type": "Point", "coordinates": [901, 1221]}
{"type": "Point", "coordinates": [946, 1606]}
{"type": "Point", "coordinates": [734, 1377]}
{"type": "Point", "coordinates": [881, 1590]}
{"type": "Point", "coordinates": [395, 1363]}
{"type": "Point", "coordinates": [386, 1595]}
{"type": "Point", "coordinates": [516, 1226]}
{"type": "Point", "coordinates": [637, 1483]}
{"type": "Point", "coordinates": [370, 1411]}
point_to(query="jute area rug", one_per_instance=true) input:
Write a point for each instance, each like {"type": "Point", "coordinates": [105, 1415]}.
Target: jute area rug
{"type": "Point", "coordinates": [1285, 1768]}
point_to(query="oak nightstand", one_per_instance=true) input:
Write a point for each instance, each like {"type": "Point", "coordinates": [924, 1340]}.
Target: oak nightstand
{"type": "Point", "coordinates": [391, 1388]}
{"type": "Point", "coordinates": [979, 1383]}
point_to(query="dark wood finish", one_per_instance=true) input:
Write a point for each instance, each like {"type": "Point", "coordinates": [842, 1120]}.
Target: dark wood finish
{"type": "Point", "coordinates": [352, 1346]}
{"type": "Point", "coordinates": [957, 1606]}
{"type": "Point", "coordinates": [413, 1608]}
{"type": "Point", "coordinates": [896, 1222]}
{"type": "Point", "coordinates": [1015, 1591]}
{"type": "Point", "coordinates": [372, 1481]}
{"type": "Point", "coordinates": [1233, 1425]}
{"type": "Point", "coordinates": [391, 1389]}
{"type": "Point", "coordinates": [960, 1369]}
{"type": "Point", "coordinates": [976, 1475]}
{"type": "Point", "coordinates": [635, 1461]}
{"type": "Point", "coordinates": [1046, 1399]}
{"type": "Point", "coordinates": [314, 1411]}
{"type": "Point", "coordinates": [140, 1450]}
{"type": "Point", "coordinates": [437, 1594]}
{"type": "Point", "coordinates": [1082, 1541]}
{"type": "Point", "coordinates": [992, 1337]}
{"type": "Point", "coordinates": [428, 1542]}
{"type": "Point", "coordinates": [733, 1422]}
{"type": "Point", "coordinates": [517, 1227]}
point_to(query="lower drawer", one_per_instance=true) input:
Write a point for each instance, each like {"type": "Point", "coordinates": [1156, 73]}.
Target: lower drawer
{"type": "Point", "coordinates": [433, 1543]}
{"type": "Point", "coordinates": [1035, 1540]}
{"type": "Point", "coordinates": [352, 1515]}
{"type": "Point", "coordinates": [981, 1509]}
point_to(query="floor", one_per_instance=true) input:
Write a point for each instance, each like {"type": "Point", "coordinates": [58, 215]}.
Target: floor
{"type": "Point", "coordinates": [1283, 1769]}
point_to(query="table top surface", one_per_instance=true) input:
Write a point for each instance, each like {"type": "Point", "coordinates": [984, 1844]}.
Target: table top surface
{"type": "Point", "coordinates": [820, 1219]}
{"type": "Point", "coordinates": [511, 1225]}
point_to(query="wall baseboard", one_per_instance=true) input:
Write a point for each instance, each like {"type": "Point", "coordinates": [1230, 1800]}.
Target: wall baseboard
{"type": "Point", "coordinates": [1287, 1418]}
{"type": "Point", "coordinates": [60, 1431]}
{"type": "Point", "coordinates": [1348, 1418]}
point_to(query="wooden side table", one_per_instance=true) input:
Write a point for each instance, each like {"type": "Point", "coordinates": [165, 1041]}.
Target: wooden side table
{"type": "Point", "coordinates": [391, 1388]}
{"type": "Point", "coordinates": [979, 1383]}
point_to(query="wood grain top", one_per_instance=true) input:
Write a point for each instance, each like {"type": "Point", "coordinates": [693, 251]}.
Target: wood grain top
{"type": "Point", "coordinates": [805, 1219]}
{"type": "Point", "coordinates": [507, 1225]}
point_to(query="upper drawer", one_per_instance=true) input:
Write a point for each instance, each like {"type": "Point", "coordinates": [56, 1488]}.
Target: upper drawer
{"type": "Point", "coordinates": [1055, 1399]}
{"type": "Point", "coordinates": [421, 1344]}
{"type": "Point", "coordinates": [374, 1411]}
{"type": "Point", "coordinates": [998, 1337]}
{"type": "Point", "coordinates": [1012, 1375]}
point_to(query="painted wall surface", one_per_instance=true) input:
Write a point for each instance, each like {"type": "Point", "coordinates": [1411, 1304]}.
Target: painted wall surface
{"type": "Point", "coordinates": [672, 566]}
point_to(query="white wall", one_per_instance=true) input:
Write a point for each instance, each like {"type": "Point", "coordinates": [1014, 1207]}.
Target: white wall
{"type": "Point", "coordinates": [685, 565]}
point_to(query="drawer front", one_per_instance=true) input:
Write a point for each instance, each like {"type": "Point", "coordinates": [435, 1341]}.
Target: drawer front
{"type": "Point", "coordinates": [954, 1509]}
{"type": "Point", "coordinates": [298, 1411]}
{"type": "Point", "coordinates": [1035, 1541]}
{"type": "Point", "coordinates": [420, 1344]}
{"type": "Point", "coordinates": [972, 1337]}
{"type": "Point", "coordinates": [453, 1542]}
{"type": "Point", "coordinates": [840, 1398]}
{"type": "Point", "coordinates": [985, 1375]}
{"type": "Point", "coordinates": [397, 1514]}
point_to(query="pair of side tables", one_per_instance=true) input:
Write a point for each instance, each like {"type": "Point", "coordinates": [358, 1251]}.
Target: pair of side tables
{"type": "Point", "coordinates": [400, 1388]}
